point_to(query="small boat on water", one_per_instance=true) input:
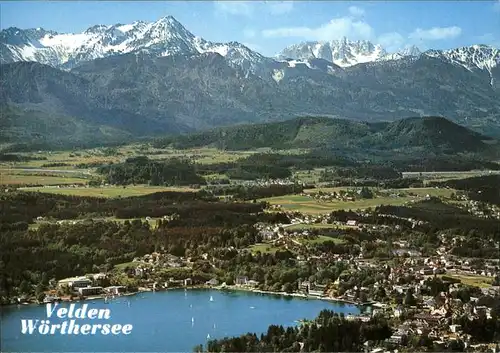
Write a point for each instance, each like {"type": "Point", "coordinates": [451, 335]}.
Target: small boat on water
{"type": "Point", "coordinates": [192, 319]}
{"type": "Point", "coordinates": [211, 298]}
{"type": "Point", "coordinates": [208, 336]}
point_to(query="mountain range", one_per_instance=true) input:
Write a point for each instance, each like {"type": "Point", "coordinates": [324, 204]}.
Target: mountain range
{"type": "Point", "coordinates": [124, 81]}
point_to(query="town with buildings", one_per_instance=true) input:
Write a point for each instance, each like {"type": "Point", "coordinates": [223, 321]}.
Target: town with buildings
{"type": "Point", "coordinates": [422, 292]}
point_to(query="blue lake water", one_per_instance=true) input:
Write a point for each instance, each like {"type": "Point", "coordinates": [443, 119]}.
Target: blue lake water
{"type": "Point", "coordinates": [171, 321]}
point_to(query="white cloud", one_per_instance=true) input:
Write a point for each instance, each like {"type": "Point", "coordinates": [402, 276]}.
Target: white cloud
{"type": "Point", "coordinates": [335, 29]}
{"type": "Point", "coordinates": [436, 33]}
{"type": "Point", "coordinates": [356, 11]}
{"type": "Point", "coordinates": [392, 41]}
{"type": "Point", "coordinates": [279, 7]}
{"type": "Point", "coordinates": [354, 27]}
{"type": "Point", "coordinates": [239, 8]}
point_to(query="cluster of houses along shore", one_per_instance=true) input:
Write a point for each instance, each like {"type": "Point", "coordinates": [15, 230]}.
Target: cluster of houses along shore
{"type": "Point", "coordinates": [90, 285]}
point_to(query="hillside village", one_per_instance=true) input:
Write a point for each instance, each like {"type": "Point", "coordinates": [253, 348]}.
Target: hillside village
{"type": "Point", "coordinates": [423, 293]}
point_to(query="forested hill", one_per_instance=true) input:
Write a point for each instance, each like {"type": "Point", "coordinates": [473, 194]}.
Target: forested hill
{"type": "Point", "coordinates": [434, 134]}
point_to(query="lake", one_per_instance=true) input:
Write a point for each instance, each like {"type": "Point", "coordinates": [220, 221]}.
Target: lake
{"type": "Point", "coordinates": [172, 321]}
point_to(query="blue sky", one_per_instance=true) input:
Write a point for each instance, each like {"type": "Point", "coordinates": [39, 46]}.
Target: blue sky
{"type": "Point", "coordinates": [269, 26]}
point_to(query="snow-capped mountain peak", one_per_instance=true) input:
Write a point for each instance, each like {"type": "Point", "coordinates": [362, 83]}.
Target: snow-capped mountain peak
{"type": "Point", "coordinates": [342, 52]}
{"type": "Point", "coordinates": [166, 36]}
{"type": "Point", "coordinates": [411, 50]}
{"type": "Point", "coordinates": [483, 57]}
{"type": "Point", "coordinates": [96, 29]}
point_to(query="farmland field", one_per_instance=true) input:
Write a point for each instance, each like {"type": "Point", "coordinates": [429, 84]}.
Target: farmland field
{"type": "Point", "coordinates": [320, 239]}
{"type": "Point", "coordinates": [309, 205]}
{"type": "Point", "coordinates": [109, 191]}
{"type": "Point", "coordinates": [14, 178]}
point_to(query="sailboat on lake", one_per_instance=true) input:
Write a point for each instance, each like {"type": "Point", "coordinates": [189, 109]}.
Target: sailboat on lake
{"type": "Point", "coordinates": [211, 298]}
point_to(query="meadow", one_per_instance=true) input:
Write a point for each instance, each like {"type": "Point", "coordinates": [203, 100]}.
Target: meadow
{"type": "Point", "coordinates": [107, 191]}
{"type": "Point", "coordinates": [320, 239]}
{"type": "Point", "coordinates": [474, 281]}
{"type": "Point", "coordinates": [264, 248]}
{"type": "Point", "coordinates": [309, 205]}
{"type": "Point", "coordinates": [16, 177]}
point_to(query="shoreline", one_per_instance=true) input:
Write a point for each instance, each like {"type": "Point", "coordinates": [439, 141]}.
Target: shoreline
{"type": "Point", "coordinates": [283, 294]}
{"type": "Point", "coordinates": [232, 288]}
{"type": "Point", "coordinates": [293, 294]}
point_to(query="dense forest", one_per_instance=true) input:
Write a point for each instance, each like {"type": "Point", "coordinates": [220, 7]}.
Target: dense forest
{"type": "Point", "coordinates": [273, 165]}
{"type": "Point", "coordinates": [142, 170]}
{"type": "Point", "coordinates": [329, 332]}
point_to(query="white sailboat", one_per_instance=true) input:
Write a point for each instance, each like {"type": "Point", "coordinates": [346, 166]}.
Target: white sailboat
{"type": "Point", "coordinates": [208, 336]}
{"type": "Point", "coordinates": [211, 298]}
{"type": "Point", "coordinates": [192, 319]}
